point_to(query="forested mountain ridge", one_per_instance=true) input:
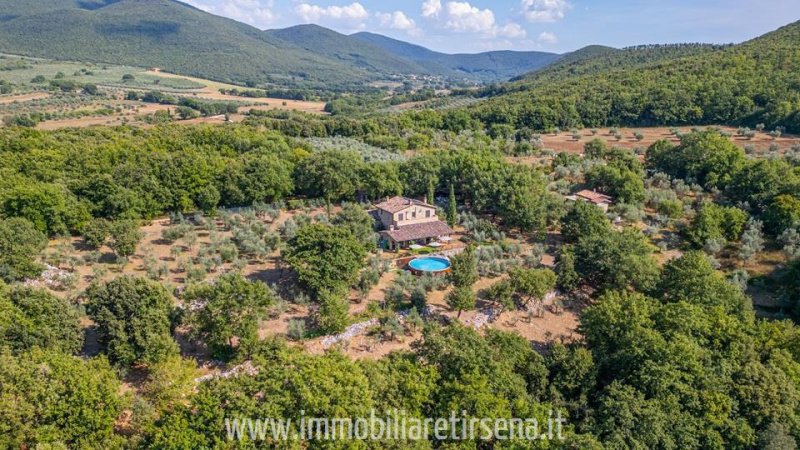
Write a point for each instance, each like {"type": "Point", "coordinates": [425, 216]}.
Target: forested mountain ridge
{"type": "Point", "coordinates": [161, 33]}
{"type": "Point", "coordinates": [486, 66]}
{"type": "Point", "coordinates": [754, 82]}
{"type": "Point", "coordinates": [330, 44]}
{"type": "Point", "coordinates": [180, 38]}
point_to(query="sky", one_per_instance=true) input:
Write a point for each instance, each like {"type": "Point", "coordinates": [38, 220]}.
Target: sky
{"type": "Point", "coordinates": [470, 26]}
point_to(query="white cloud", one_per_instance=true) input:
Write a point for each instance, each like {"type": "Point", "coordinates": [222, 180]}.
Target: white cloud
{"type": "Point", "coordinates": [545, 10]}
{"type": "Point", "coordinates": [547, 38]}
{"type": "Point", "coordinates": [353, 12]}
{"type": "Point", "coordinates": [431, 8]}
{"type": "Point", "coordinates": [398, 20]}
{"type": "Point", "coordinates": [511, 30]}
{"type": "Point", "coordinates": [254, 12]}
{"type": "Point", "coordinates": [462, 16]}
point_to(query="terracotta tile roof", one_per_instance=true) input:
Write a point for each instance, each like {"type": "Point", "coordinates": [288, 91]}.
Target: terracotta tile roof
{"type": "Point", "coordinates": [594, 196]}
{"type": "Point", "coordinates": [419, 231]}
{"type": "Point", "coordinates": [397, 204]}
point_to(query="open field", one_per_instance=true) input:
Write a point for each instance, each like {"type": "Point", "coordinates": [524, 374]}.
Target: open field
{"type": "Point", "coordinates": [100, 74]}
{"type": "Point", "coordinates": [565, 142]}
{"type": "Point", "coordinates": [30, 97]}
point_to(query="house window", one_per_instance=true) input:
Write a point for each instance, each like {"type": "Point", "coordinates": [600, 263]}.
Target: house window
{"type": "Point", "coordinates": [414, 214]}
{"type": "Point", "coordinates": [428, 213]}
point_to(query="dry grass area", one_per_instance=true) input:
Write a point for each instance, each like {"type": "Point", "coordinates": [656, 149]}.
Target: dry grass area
{"type": "Point", "coordinates": [153, 246]}
{"type": "Point", "coordinates": [565, 142]}
{"type": "Point", "coordinates": [211, 92]}
{"type": "Point", "coordinates": [23, 97]}
{"type": "Point", "coordinates": [131, 112]}
{"type": "Point", "coordinates": [130, 117]}
{"type": "Point", "coordinates": [553, 325]}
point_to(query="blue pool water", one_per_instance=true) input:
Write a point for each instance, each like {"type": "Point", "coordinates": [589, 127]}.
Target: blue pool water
{"type": "Point", "coordinates": [429, 264]}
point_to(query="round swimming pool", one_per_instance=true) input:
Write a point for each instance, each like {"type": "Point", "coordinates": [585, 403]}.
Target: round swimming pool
{"type": "Point", "coordinates": [431, 264]}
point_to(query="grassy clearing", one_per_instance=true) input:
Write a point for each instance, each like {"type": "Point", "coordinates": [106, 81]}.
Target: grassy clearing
{"type": "Point", "coordinates": [22, 70]}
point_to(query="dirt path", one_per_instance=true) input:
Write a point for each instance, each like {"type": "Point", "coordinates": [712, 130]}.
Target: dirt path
{"type": "Point", "coordinates": [23, 97]}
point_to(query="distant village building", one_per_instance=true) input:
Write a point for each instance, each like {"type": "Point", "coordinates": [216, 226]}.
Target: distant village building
{"type": "Point", "coordinates": [601, 200]}
{"type": "Point", "coordinates": [407, 221]}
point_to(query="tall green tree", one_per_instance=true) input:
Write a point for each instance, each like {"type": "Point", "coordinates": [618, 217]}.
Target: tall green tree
{"type": "Point", "coordinates": [20, 244]}
{"type": "Point", "coordinates": [464, 268]}
{"type": "Point", "coordinates": [532, 284]}
{"type": "Point", "coordinates": [692, 279]}
{"type": "Point", "coordinates": [125, 236]}
{"type": "Point", "coordinates": [783, 213]}
{"type": "Point", "coordinates": [568, 278]}
{"type": "Point", "coordinates": [51, 208]}
{"type": "Point", "coordinates": [452, 208]}
{"type": "Point", "coordinates": [51, 399]}
{"type": "Point", "coordinates": [35, 318]}
{"type": "Point", "coordinates": [616, 260]}
{"type": "Point", "coordinates": [361, 225]}
{"type": "Point", "coordinates": [226, 313]}
{"type": "Point", "coordinates": [706, 157]}
{"type": "Point", "coordinates": [325, 257]}
{"type": "Point", "coordinates": [381, 179]}
{"type": "Point", "coordinates": [461, 298]}
{"type": "Point", "coordinates": [626, 186]}
{"type": "Point", "coordinates": [134, 319]}
{"type": "Point", "coordinates": [332, 314]}
{"type": "Point", "coordinates": [583, 219]}
{"type": "Point", "coordinates": [332, 175]}
{"type": "Point", "coordinates": [718, 223]}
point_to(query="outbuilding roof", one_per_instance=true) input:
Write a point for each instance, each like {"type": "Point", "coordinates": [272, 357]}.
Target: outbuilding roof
{"type": "Point", "coordinates": [418, 231]}
{"type": "Point", "coordinates": [594, 197]}
{"type": "Point", "coordinates": [397, 204]}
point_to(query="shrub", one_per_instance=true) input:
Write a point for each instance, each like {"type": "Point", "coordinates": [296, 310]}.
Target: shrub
{"type": "Point", "coordinates": [297, 329]}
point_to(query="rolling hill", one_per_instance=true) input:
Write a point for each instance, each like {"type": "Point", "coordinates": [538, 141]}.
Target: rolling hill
{"type": "Point", "coordinates": [342, 48]}
{"type": "Point", "coordinates": [484, 67]}
{"type": "Point", "coordinates": [179, 38]}
{"type": "Point", "coordinates": [163, 33]}
{"type": "Point", "coordinates": [692, 84]}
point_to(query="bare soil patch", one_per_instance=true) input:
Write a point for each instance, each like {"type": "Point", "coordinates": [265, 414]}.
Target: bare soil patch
{"type": "Point", "coordinates": [565, 142]}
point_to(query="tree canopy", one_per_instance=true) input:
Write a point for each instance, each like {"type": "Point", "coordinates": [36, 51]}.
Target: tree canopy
{"type": "Point", "coordinates": [325, 257]}
{"type": "Point", "coordinates": [226, 314]}
{"type": "Point", "coordinates": [134, 318]}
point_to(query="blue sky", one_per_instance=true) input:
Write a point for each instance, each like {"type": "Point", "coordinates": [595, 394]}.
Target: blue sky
{"type": "Point", "coordinates": [547, 25]}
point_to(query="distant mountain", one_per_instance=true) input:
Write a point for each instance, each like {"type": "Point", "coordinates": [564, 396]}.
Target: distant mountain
{"type": "Point", "coordinates": [684, 84]}
{"type": "Point", "coordinates": [163, 33]}
{"type": "Point", "coordinates": [180, 38]}
{"type": "Point", "coordinates": [485, 67]}
{"type": "Point", "coordinates": [345, 49]}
